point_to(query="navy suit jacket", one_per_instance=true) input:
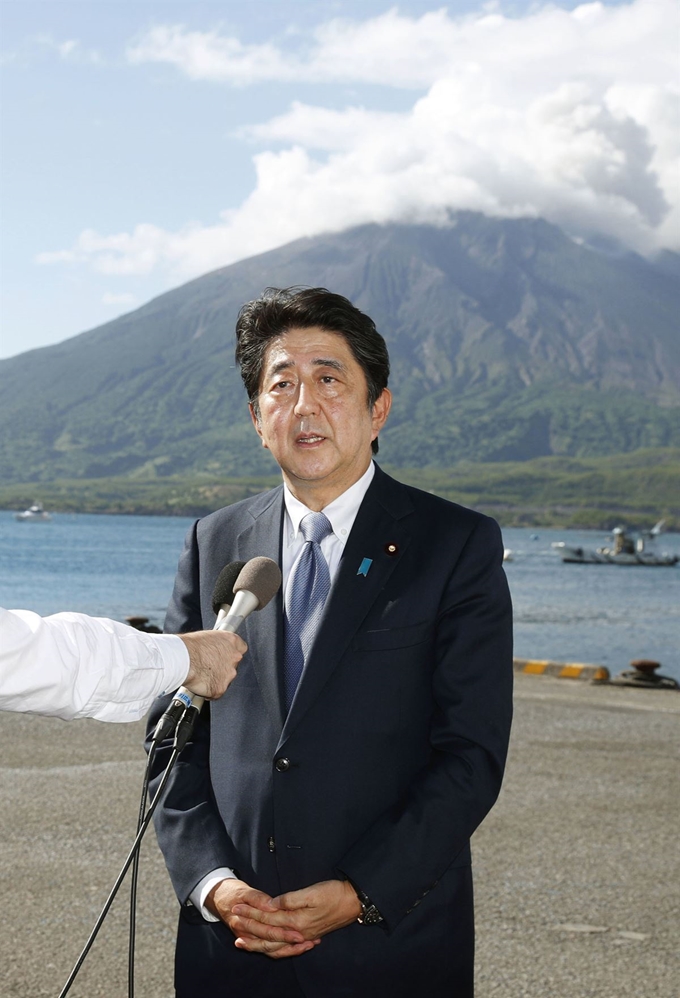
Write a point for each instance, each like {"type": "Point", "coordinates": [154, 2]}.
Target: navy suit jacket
{"type": "Point", "coordinates": [395, 747]}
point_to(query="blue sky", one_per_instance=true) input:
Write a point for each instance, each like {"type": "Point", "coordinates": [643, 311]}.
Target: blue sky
{"type": "Point", "coordinates": [146, 143]}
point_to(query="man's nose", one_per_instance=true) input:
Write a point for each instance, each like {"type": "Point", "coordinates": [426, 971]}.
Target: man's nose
{"type": "Point", "coordinates": [306, 404]}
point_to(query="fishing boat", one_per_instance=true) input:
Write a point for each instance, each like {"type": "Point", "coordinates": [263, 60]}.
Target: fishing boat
{"type": "Point", "coordinates": [627, 549]}
{"type": "Point", "coordinates": [34, 514]}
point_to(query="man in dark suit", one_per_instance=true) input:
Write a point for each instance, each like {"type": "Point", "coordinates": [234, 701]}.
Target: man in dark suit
{"type": "Point", "coordinates": [317, 829]}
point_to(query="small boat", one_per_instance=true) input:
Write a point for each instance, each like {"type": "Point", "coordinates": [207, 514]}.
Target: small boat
{"type": "Point", "coordinates": [34, 513]}
{"type": "Point", "coordinates": [508, 554]}
{"type": "Point", "coordinates": [636, 549]}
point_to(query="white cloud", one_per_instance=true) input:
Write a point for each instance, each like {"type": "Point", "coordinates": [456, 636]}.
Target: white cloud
{"type": "Point", "coordinates": [391, 49]}
{"type": "Point", "coordinates": [568, 115]}
{"type": "Point", "coordinates": [67, 48]}
{"type": "Point", "coordinates": [70, 50]}
{"type": "Point", "coordinates": [395, 50]}
{"type": "Point", "coordinates": [211, 56]}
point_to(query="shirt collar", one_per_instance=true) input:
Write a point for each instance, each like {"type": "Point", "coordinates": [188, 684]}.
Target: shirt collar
{"type": "Point", "coordinates": [341, 512]}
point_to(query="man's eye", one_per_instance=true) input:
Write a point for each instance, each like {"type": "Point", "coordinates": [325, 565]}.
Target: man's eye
{"type": "Point", "coordinates": [327, 379]}
{"type": "Point", "coordinates": [282, 384]}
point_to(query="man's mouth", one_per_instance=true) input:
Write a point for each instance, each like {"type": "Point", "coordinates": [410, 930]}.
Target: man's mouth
{"type": "Point", "coordinates": [307, 439]}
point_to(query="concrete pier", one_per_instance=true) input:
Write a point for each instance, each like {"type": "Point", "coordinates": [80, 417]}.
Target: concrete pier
{"type": "Point", "coordinates": [577, 868]}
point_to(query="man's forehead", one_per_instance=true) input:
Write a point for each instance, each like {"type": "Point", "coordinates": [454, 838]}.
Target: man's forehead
{"type": "Point", "coordinates": [315, 344]}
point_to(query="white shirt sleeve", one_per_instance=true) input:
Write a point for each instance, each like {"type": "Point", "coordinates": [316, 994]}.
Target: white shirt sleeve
{"type": "Point", "coordinates": [203, 888]}
{"type": "Point", "coordinates": [70, 665]}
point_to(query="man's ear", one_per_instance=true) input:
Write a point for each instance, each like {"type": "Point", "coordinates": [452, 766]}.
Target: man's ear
{"type": "Point", "coordinates": [256, 423]}
{"type": "Point", "coordinates": [381, 410]}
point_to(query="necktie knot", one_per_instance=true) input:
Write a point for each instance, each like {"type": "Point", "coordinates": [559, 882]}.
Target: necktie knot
{"type": "Point", "coordinates": [315, 526]}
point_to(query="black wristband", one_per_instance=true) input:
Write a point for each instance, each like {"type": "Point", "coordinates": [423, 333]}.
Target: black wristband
{"type": "Point", "coordinates": [369, 913]}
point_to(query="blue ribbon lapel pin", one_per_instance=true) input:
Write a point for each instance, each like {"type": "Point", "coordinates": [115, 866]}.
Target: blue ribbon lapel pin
{"type": "Point", "coordinates": [364, 566]}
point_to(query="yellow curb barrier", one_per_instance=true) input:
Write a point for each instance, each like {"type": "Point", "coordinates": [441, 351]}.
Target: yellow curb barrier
{"type": "Point", "coordinates": [562, 670]}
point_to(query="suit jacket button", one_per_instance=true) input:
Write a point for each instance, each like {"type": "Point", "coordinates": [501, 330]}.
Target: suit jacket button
{"type": "Point", "coordinates": [282, 765]}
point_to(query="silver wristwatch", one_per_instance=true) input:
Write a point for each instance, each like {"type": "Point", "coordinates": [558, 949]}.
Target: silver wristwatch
{"type": "Point", "coordinates": [369, 913]}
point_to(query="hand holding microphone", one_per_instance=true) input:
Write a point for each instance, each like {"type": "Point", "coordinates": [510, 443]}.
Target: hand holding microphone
{"type": "Point", "coordinates": [213, 658]}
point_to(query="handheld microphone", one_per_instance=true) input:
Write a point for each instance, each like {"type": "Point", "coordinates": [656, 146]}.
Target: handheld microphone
{"type": "Point", "coordinates": [223, 592]}
{"type": "Point", "coordinates": [257, 583]}
{"type": "Point", "coordinates": [223, 595]}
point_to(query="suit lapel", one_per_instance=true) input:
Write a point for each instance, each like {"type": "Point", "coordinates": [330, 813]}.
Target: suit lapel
{"type": "Point", "coordinates": [352, 595]}
{"type": "Point", "coordinates": [263, 630]}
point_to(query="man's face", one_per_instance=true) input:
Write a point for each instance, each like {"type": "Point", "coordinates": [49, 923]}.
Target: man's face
{"type": "Point", "coordinates": [314, 415]}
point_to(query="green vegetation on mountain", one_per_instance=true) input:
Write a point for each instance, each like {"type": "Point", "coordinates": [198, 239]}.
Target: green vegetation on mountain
{"type": "Point", "coordinates": [637, 488]}
{"type": "Point", "coordinates": [508, 342]}
{"type": "Point", "coordinates": [489, 424]}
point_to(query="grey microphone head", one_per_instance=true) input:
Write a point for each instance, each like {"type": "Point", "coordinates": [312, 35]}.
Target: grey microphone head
{"type": "Point", "coordinates": [223, 593]}
{"type": "Point", "coordinates": [261, 577]}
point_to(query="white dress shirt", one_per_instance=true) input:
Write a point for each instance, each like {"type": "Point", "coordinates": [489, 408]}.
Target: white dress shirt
{"type": "Point", "coordinates": [341, 513]}
{"type": "Point", "coordinates": [70, 665]}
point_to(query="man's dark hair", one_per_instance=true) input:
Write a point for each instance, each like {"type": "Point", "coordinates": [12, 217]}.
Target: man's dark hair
{"type": "Point", "coordinates": [279, 309]}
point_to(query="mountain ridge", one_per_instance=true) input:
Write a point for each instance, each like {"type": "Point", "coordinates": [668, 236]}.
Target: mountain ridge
{"type": "Point", "coordinates": [508, 341]}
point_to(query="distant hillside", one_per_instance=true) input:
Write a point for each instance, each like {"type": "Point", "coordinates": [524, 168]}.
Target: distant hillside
{"type": "Point", "coordinates": [508, 341]}
{"type": "Point", "coordinates": [636, 489]}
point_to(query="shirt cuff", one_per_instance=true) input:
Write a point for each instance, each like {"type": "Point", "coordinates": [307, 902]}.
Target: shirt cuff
{"type": "Point", "coordinates": [175, 657]}
{"type": "Point", "coordinates": [203, 888]}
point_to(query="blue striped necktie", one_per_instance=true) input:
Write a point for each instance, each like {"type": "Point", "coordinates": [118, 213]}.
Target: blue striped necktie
{"type": "Point", "coordinates": [308, 587]}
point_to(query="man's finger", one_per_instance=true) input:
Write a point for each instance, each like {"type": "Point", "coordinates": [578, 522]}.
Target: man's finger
{"type": "Point", "coordinates": [293, 900]}
{"type": "Point", "coordinates": [263, 913]}
{"type": "Point", "coordinates": [274, 950]}
{"type": "Point", "coordinates": [251, 927]}
{"type": "Point", "coordinates": [229, 892]}
{"type": "Point", "coordinates": [254, 901]}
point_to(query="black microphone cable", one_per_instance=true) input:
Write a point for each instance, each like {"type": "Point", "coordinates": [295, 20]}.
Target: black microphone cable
{"type": "Point", "coordinates": [184, 730]}
{"type": "Point", "coordinates": [165, 727]}
{"type": "Point", "coordinates": [134, 875]}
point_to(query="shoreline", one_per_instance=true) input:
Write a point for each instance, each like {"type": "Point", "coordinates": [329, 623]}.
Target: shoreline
{"type": "Point", "coordinates": [536, 517]}
{"type": "Point", "coordinates": [637, 489]}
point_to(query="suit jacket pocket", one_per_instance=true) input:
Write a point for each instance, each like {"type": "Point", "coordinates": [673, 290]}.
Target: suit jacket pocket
{"type": "Point", "coordinates": [390, 638]}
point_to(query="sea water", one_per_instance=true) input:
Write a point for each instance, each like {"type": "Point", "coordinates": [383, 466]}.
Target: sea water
{"type": "Point", "coordinates": [602, 614]}
{"type": "Point", "coordinates": [118, 566]}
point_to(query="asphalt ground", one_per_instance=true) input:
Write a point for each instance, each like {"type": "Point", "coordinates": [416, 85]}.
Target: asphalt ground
{"type": "Point", "coordinates": [577, 868]}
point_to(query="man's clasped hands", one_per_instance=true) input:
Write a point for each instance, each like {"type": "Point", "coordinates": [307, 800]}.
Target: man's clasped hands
{"type": "Point", "coordinates": [287, 925]}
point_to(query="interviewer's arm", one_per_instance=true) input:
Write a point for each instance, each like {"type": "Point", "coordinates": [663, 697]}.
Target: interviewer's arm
{"type": "Point", "coordinates": [70, 665]}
